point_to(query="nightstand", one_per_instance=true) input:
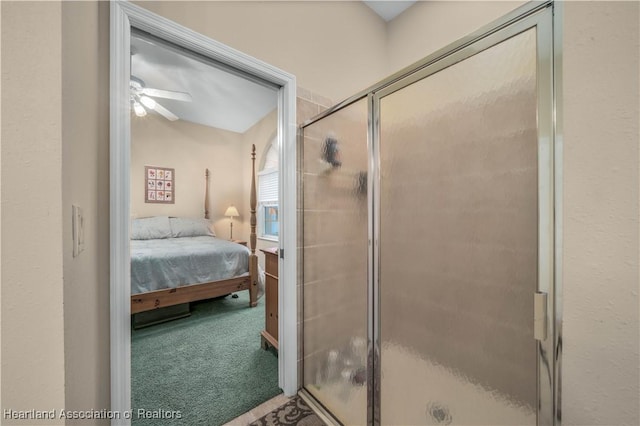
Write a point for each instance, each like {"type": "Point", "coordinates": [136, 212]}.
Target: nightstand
{"type": "Point", "coordinates": [242, 243]}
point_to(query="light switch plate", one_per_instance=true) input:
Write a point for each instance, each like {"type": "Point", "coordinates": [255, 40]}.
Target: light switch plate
{"type": "Point", "coordinates": [78, 230]}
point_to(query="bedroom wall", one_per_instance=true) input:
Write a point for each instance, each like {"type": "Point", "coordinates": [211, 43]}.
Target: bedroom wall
{"type": "Point", "coordinates": [189, 148]}
{"type": "Point", "coordinates": [33, 346]}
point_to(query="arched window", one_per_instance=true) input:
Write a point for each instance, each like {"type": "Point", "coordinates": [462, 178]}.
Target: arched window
{"type": "Point", "coordinates": [268, 217]}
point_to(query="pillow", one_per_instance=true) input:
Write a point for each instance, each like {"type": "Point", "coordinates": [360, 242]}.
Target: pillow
{"type": "Point", "coordinates": [190, 227]}
{"type": "Point", "coordinates": [151, 228]}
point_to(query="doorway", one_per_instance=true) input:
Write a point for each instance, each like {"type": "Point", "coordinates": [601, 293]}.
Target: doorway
{"type": "Point", "coordinates": [127, 19]}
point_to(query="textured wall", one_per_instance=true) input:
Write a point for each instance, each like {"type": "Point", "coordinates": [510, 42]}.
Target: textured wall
{"type": "Point", "coordinates": [430, 25]}
{"type": "Point", "coordinates": [85, 182]}
{"type": "Point", "coordinates": [600, 361]}
{"type": "Point", "coordinates": [33, 371]}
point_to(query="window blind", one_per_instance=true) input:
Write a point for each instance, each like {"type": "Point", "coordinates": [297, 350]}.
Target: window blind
{"type": "Point", "coordinates": [268, 187]}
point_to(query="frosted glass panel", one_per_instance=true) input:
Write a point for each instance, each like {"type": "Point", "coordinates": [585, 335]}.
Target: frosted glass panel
{"type": "Point", "coordinates": [335, 262]}
{"type": "Point", "coordinates": [458, 236]}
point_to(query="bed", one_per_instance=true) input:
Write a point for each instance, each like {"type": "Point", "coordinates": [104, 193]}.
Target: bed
{"type": "Point", "coordinates": [180, 260]}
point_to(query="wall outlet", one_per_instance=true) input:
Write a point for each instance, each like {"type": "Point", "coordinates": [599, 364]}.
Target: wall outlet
{"type": "Point", "coordinates": [78, 230]}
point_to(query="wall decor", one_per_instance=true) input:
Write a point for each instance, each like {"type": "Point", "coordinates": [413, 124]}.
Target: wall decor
{"type": "Point", "coordinates": [159, 185]}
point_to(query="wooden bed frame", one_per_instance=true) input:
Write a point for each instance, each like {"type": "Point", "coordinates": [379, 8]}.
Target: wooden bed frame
{"type": "Point", "coordinates": [190, 293]}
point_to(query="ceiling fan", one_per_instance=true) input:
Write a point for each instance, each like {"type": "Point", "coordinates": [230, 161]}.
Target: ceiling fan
{"type": "Point", "coordinates": [141, 99]}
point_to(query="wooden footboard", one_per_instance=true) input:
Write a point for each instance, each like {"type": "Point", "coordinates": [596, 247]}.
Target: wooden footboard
{"type": "Point", "coordinates": [189, 293]}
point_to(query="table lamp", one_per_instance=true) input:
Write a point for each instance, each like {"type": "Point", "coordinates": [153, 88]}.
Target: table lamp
{"type": "Point", "coordinates": [231, 212]}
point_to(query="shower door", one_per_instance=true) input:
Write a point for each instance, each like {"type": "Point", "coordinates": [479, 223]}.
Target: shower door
{"type": "Point", "coordinates": [335, 216]}
{"type": "Point", "coordinates": [428, 239]}
{"type": "Point", "coordinates": [462, 180]}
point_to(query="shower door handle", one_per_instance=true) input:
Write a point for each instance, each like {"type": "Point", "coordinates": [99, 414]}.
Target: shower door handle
{"type": "Point", "coordinates": [540, 316]}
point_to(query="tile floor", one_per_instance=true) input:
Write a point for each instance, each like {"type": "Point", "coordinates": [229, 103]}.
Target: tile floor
{"type": "Point", "coordinates": [259, 411]}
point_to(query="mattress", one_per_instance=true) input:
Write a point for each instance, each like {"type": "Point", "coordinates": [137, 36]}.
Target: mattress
{"type": "Point", "coordinates": [173, 262]}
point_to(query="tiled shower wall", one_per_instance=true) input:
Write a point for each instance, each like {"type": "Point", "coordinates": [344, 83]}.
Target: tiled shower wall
{"type": "Point", "coordinates": [334, 260]}
{"type": "Point", "coordinates": [308, 105]}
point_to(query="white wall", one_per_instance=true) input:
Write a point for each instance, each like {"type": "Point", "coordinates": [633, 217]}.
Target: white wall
{"type": "Point", "coordinates": [33, 370]}
{"type": "Point", "coordinates": [601, 335]}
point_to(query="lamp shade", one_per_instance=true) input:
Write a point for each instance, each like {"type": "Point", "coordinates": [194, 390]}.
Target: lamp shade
{"type": "Point", "coordinates": [232, 212]}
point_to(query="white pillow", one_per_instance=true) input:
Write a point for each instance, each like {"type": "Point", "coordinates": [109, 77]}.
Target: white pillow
{"type": "Point", "coordinates": [151, 228]}
{"type": "Point", "coordinates": [190, 227]}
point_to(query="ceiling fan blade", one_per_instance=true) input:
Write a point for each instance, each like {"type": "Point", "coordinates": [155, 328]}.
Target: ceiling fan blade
{"type": "Point", "coordinates": [165, 112]}
{"type": "Point", "coordinates": [167, 94]}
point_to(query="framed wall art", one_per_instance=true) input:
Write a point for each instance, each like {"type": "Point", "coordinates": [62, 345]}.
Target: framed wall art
{"type": "Point", "coordinates": [159, 183]}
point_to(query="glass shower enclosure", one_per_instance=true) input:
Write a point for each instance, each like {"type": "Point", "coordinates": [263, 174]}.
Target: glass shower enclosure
{"type": "Point", "coordinates": [428, 238]}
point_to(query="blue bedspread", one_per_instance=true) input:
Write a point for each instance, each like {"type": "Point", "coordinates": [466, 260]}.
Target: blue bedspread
{"type": "Point", "coordinates": [173, 262]}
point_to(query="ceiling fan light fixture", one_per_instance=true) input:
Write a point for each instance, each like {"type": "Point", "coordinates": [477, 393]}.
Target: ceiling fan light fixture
{"type": "Point", "coordinates": [139, 110]}
{"type": "Point", "coordinates": [148, 102]}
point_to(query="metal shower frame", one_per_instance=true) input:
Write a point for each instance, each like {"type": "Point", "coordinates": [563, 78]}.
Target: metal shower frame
{"type": "Point", "coordinates": [546, 17]}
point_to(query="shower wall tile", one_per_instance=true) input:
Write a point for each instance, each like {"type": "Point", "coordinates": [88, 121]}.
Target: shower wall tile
{"type": "Point", "coordinates": [323, 101]}
{"type": "Point", "coordinates": [303, 93]}
{"type": "Point", "coordinates": [325, 296]}
{"type": "Point", "coordinates": [308, 105]}
{"type": "Point", "coordinates": [306, 110]}
{"type": "Point", "coordinates": [330, 331]}
{"type": "Point", "coordinates": [328, 226]}
{"type": "Point", "coordinates": [334, 259]}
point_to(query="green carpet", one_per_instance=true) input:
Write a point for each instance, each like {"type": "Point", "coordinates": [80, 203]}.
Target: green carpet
{"type": "Point", "coordinates": [209, 367]}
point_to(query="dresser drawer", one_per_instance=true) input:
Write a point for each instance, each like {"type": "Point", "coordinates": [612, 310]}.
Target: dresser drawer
{"type": "Point", "coordinates": [271, 264]}
{"type": "Point", "coordinates": [270, 332]}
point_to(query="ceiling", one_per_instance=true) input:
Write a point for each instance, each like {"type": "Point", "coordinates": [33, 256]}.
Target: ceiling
{"type": "Point", "coordinates": [388, 10]}
{"type": "Point", "coordinates": [221, 99]}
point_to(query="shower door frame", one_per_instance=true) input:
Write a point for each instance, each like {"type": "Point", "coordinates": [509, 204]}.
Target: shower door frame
{"type": "Point", "coordinates": [546, 17]}
{"type": "Point", "coordinates": [541, 20]}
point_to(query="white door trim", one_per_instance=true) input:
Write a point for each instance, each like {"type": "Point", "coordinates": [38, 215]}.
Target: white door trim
{"type": "Point", "coordinates": [124, 17]}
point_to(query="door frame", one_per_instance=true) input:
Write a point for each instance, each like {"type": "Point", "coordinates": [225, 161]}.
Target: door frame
{"type": "Point", "coordinates": [125, 17]}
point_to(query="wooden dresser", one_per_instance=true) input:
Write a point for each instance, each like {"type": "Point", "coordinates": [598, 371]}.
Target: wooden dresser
{"type": "Point", "coordinates": [269, 335]}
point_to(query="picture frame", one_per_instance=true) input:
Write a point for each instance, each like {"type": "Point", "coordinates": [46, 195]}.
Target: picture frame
{"type": "Point", "coordinates": [159, 185]}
